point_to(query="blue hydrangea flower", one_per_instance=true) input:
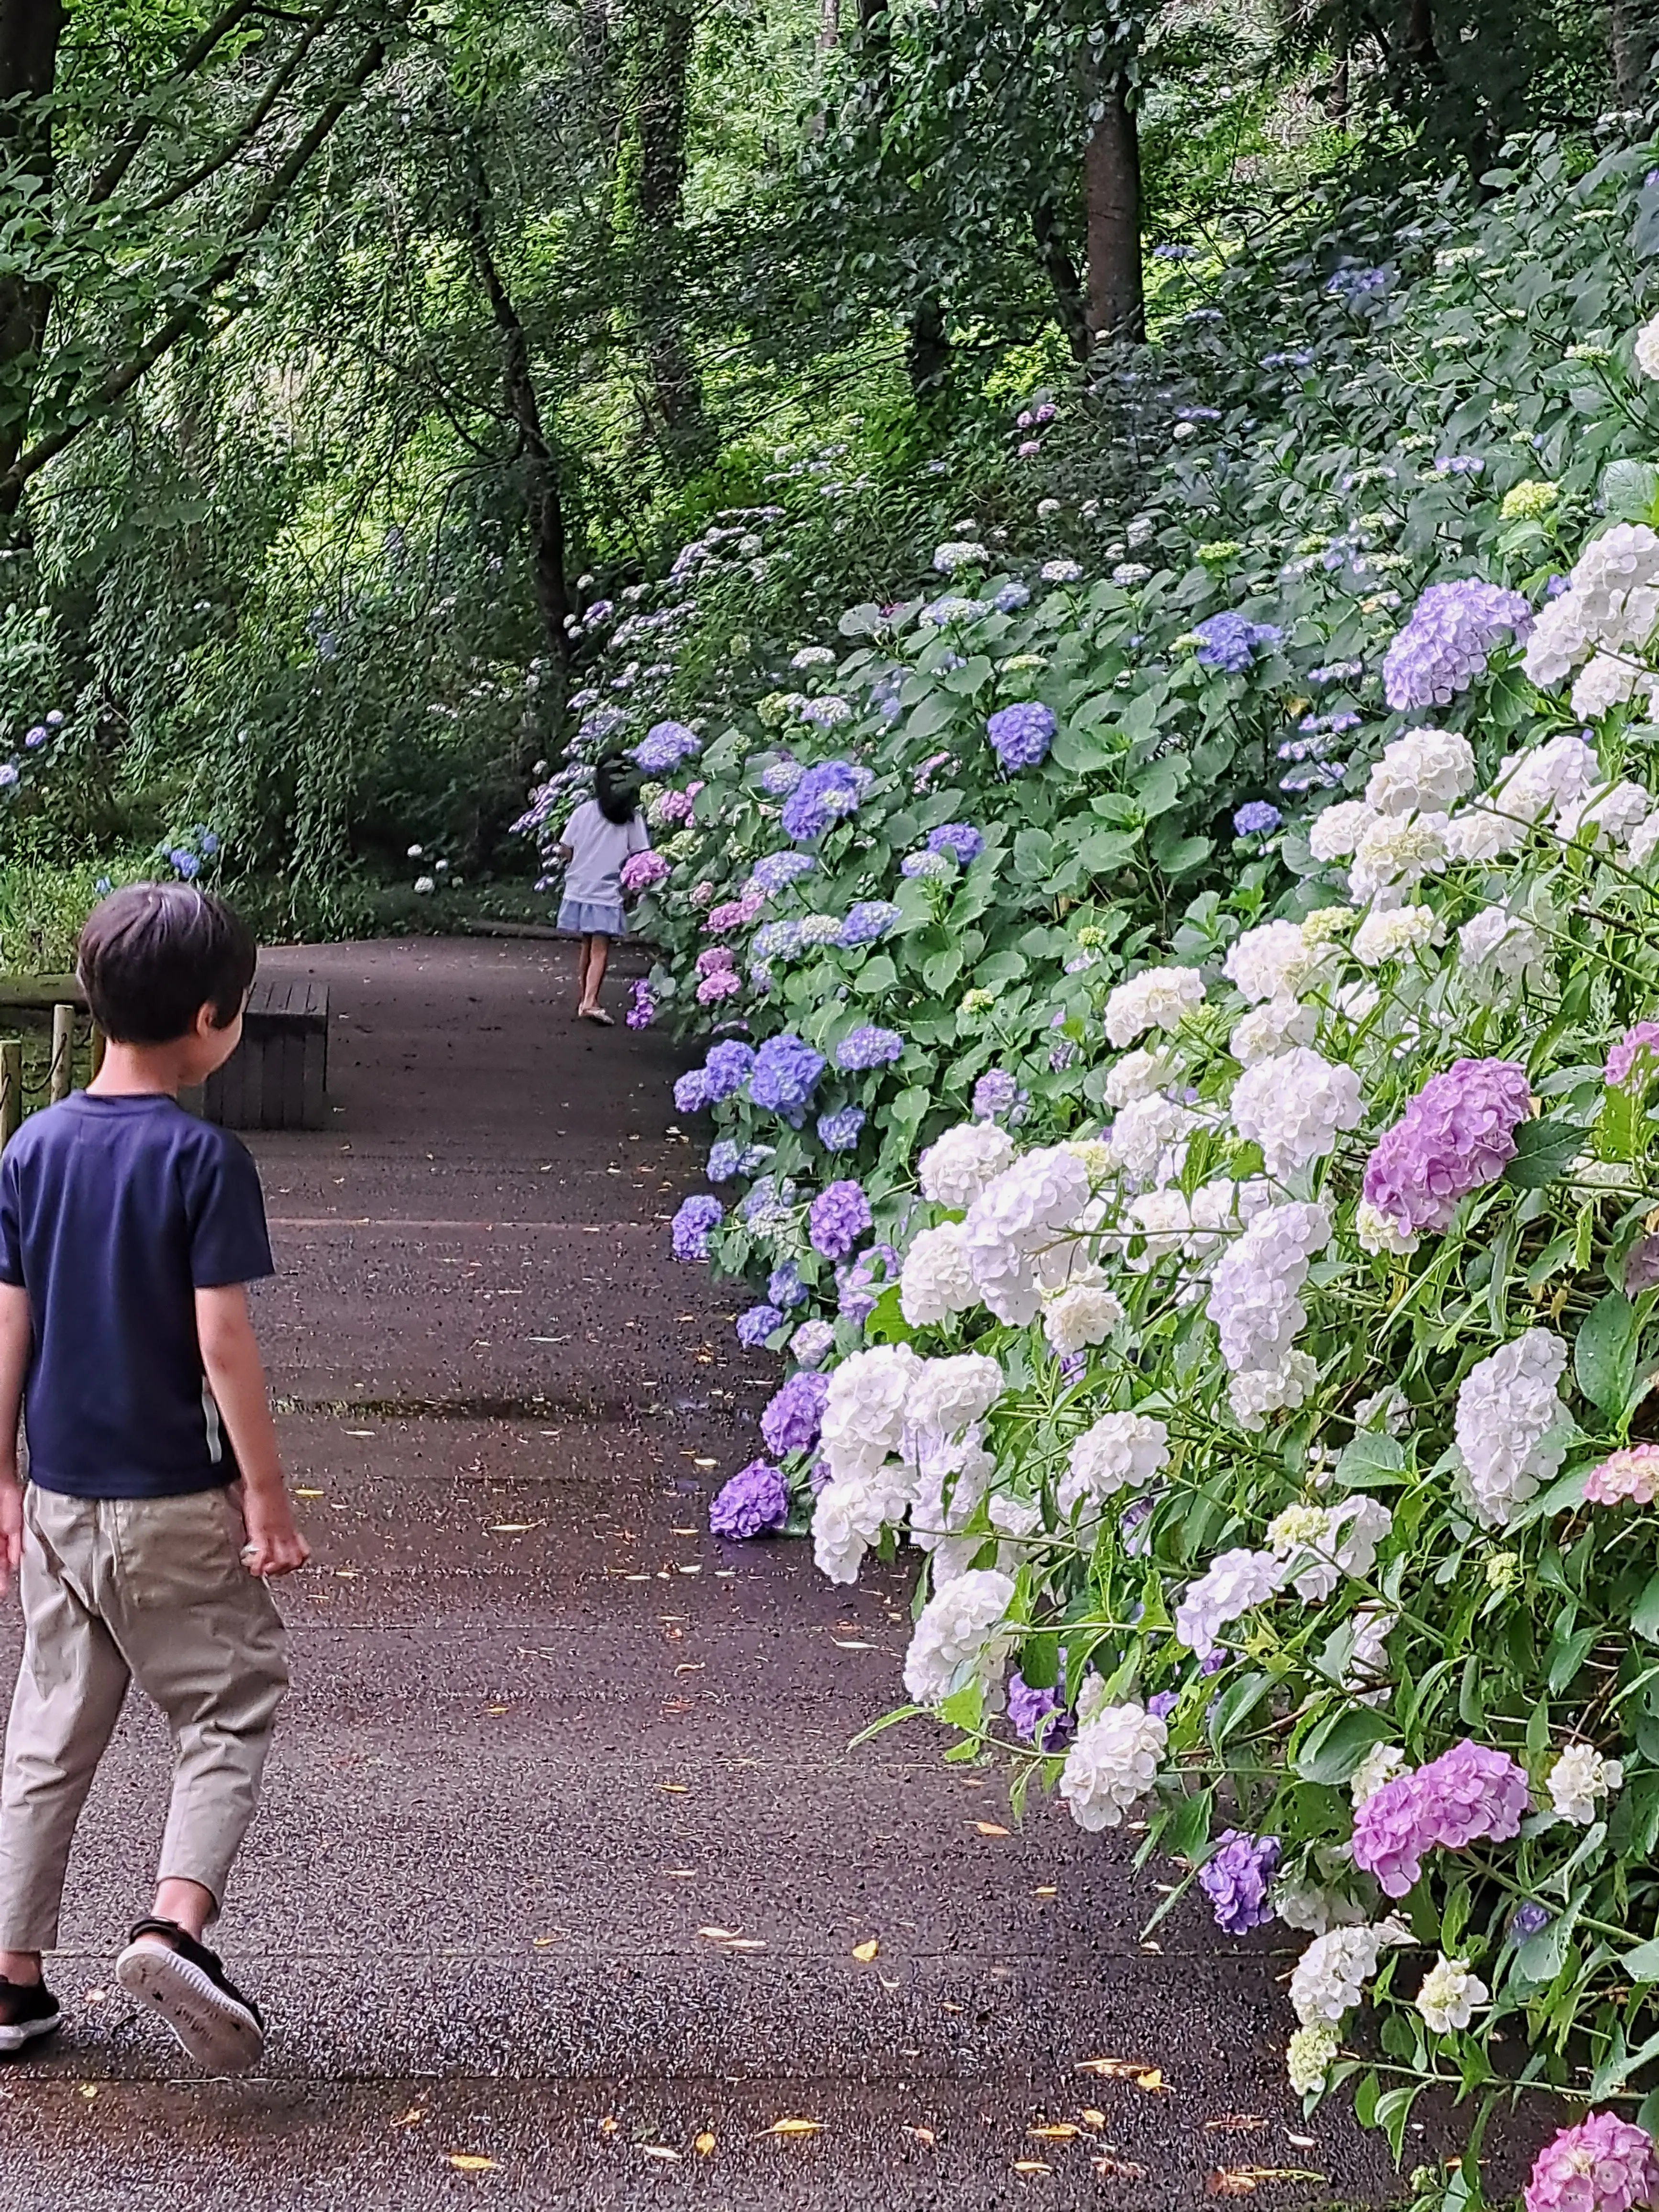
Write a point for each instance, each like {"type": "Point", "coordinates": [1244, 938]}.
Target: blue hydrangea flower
{"type": "Point", "coordinates": [925, 864]}
{"type": "Point", "coordinates": [1230, 641]}
{"type": "Point", "coordinates": [994, 1093]}
{"type": "Point", "coordinates": [868, 919]}
{"type": "Point", "coordinates": [756, 1325]}
{"type": "Point", "coordinates": [765, 1211]}
{"type": "Point", "coordinates": [825, 795]}
{"type": "Point", "coordinates": [953, 608]}
{"type": "Point", "coordinates": [698, 1218]}
{"type": "Point", "coordinates": [725, 1068]}
{"type": "Point", "coordinates": [827, 713]}
{"type": "Point", "coordinates": [784, 1287]}
{"type": "Point", "coordinates": [784, 1073]}
{"type": "Point", "coordinates": [663, 746]}
{"type": "Point", "coordinates": [839, 1132]}
{"type": "Point", "coordinates": [1020, 735]}
{"type": "Point", "coordinates": [774, 870]}
{"type": "Point", "coordinates": [837, 1217]}
{"type": "Point", "coordinates": [1255, 818]}
{"type": "Point", "coordinates": [960, 839]}
{"type": "Point", "coordinates": [724, 1159]}
{"type": "Point", "coordinates": [777, 940]}
{"type": "Point", "coordinates": [1010, 599]}
{"type": "Point", "coordinates": [868, 1047]}
{"type": "Point", "coordinates": [1444, 646]}
{"type": "Point", "coordinates": [781, 777]}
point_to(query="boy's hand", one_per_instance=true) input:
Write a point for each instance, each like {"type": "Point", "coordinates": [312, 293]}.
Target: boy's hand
{"type": "Point", "coordinates": [274, 1546]}
{"type": "Point", "coordinates": [11, 1529]}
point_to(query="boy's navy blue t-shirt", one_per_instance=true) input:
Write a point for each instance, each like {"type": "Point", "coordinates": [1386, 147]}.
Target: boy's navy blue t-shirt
{"type": "Point", "coordinates": [113, 1213]}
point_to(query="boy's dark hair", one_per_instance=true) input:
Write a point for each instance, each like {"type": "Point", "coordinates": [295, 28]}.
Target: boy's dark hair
{"type": "Point", "coordinates": [617, 787]}
{"type": "Point", "coordinates": [153, 955]}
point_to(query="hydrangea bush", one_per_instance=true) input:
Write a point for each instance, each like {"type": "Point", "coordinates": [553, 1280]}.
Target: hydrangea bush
{"type": "Point", "coordinates": [1215, 1199]}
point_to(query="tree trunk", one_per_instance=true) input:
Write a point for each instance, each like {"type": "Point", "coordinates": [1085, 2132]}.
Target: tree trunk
{"type": "Point", "coordinates": [1062, 274]}
{"type": "Point", "coordinates": [651, 186]}
{"type": "Point", "coordinates": [31, 33]}
{"type": "Point", "coordinates": [1111, 166]}
{"type": "Point", "coordinates": [543, 493]}
{"type": "Point", "coordinates": [828, 24]}
{"type": "Point", "coordinates": [1630, 35]}
{"type": "Point", "coordinates": [928, 350]}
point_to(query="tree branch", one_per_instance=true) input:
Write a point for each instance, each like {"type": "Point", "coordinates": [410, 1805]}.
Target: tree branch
{"type": "Point", "coordinates": [194, 56]}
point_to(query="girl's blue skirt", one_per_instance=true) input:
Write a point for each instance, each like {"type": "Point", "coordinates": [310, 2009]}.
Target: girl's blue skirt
{"type": "Point", "coordinates": [592, 918]}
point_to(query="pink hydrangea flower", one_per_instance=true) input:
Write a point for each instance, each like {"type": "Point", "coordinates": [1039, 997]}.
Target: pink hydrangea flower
{"type": "Point", "coordinates": [720, 985]}
{"type": "Point", "coordinates": [735, 914]}
{"type": "Point", "coordinates": [715, 957]}
{"type": "Point", "coordinates": [1603, 2165]}
{"type": "Point", "coordinates": [1639, 1042]}
{"type": "Point", "coordinates": [643, 871]}
{"type": "Point", "coordinates": [1469, 1794]}
{"type": "Point", "coordinates": [701, 893]}
{"type": "Point", "coordinates": [1631, 1475]}
{"type": "Point", "coordinates": [1457, 1135]}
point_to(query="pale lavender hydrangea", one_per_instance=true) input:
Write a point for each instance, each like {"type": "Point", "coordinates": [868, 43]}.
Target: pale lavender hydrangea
{"type": "Point", "coordinates": [756, 1498]}
{"type": "Point", "coordinates": [793, 1418]}
{"type": "Point", "coordinates": [1230, 640]}
{"type": "Point", "coordinates": [811, 1344]}
{"type": "Point", "coordinates": [1443, 647]}
{"type": "Point", "coordinates": [855, 1287]}
{"type": "Point", "coordinates": [1457, 1135]}
{"type": "Point", "coordinates": [1235, 1879]}
{"type": "Point", "coordinates": [774, 870]}
{"type": "Point", "coordinates": [994, 1093]}
{"type": "Point", "coordinates": [868, 1047]}
{"type": "Point", "coordinates": [1037, 1717]}
{"type": "Point", "coordinates": [1255, 818]}
{"type": "Point", "coordinates": [698, 1218]}
{"type": "Point", "coordinates": [920, 866]}
{"type": "Point", "coordinates": [866, 920]}
{"type": "Point", "coordinates": [1470, 1794]}
{"type": "Point", "coordinates": [1021, 735]}
{"type": "Point", "coordinates": [1638, 1047]}
{"type": "Point", "coordinates": [663, 746]}
{"type": "Point", "coordinates": [836, 1219]}
{"type": "Point", "coordinates": [756, 1325]}
{"type": "Point", "coordinates": [839, 1132]}
{"type": "Point", "coordinates": [960, 839]}
{"type": "Point", "coordinates": [779, 777]}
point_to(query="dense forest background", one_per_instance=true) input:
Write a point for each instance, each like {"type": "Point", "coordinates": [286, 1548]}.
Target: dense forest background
{"type": "Point", "coordinates": [358, 359]}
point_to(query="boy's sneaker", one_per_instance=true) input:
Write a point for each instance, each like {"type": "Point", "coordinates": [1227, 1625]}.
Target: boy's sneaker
{"type": "Point", "coordinates": [184, 1984]}
{"type": "Point", "coordinates": [29, 2010]}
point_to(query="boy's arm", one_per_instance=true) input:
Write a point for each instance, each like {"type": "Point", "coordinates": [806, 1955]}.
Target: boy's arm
{"type": "Point", "coordinates": [231, 1358]}
{"type": "Point", "coordinates": [16, 1335]}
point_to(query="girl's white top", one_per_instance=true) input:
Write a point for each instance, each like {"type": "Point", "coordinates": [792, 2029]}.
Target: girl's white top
{"type": "Point", "coordinates": [598, 849]}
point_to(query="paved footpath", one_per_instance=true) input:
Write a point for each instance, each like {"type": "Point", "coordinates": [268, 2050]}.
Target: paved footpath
{"type": "Point", "coordinates": [565, 1856]}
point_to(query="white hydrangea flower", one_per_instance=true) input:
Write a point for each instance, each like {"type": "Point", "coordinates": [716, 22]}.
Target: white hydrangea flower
{"type": "Point", "coordinates": [1450, 1994]}
{"type": "Point", "coordinates": [1395, 934]}
{"type": "Point", "coordinates": [956, 1639]}
{"type": "Point", "coordinates": [1253, 1301]}
{"type": "Point", "coordinates": [1296, 1526]}
{"type": "Point", "coordinates": [958, 1166]}
{"type": "Point", "coordinates": [1336, 832]}
{"type": "Point", "coordinates": [1113, 1762]}
{"type": "Point", "coordinates": [1165, 1219]}
{"type": "Point", "coordinates": [1615, 814]}
{"type": "Point", "coordinates": [1421, 773]}
{"type": "Point", "coordinates": [1643, 841]}
{"type": "Point", "coordinates": [1076, 1318]}
{"type": "Point", "coordinates": [1508, 1414]}
{"type": "Point", "coordinates": [1344, 1543]}
{"type": "Point", "coordinates": [1549, 780]}
{"type": "Point", "coordinates": [1389, 1409]}
{"type": "Point", "coordinates": [1044, 1192]}
{"type": "Point", "coordinates": [936, 1283]}
{"type": "Point", "coordinates": [1606, 680]}
{"type": "Point", "coordinates": [1294, 1106]}
{"type": "Point", "coordinates": [1312, 1910]}
{"type": "Point", "coordinates": [867, 1406]}
{"type": "Point", "coordinates": [1366, 1675]}
{"type": "Point", "coordinates": [1380, 1232]}
{"type": "Point", "coordinates": [1383, 1763]}
{"type": "Point", "coordinates": [1158, 999]}
{"type": "Point", "coordinates": [1612, 600]}
{"type": "Point", "coordinates": [1577, 1778]}
{"type": "Point", "coordinates": [951, 1479]}
{"type": "Point", "coordinates": [1267, 1030]}
{"type": "Point", "coordinates": [1397, 851]}
{"type": "Point", "coordinates": [1137, 1075]}
{"type": "Point", "coordinates": [1500, 948]}
{"type": "Point", "coordinates": [1329, 1978]}
{"type": "Point", "coordinates": [847, 1518]}
{"type": "Point", "coordinates": [1270, 962]}
{"type": "Point", "coordinates": [1647, 348]}
{"type": "Point", "coordinates": [1122, 1451]}
{"type": "Point", "coordinates": [1258, 1392]}
{"type": "Point", "coordinates": [949, 1396]}
{"type": "Point", "coordinates": [1149, 1137]}
{"type": "Point", "coordinates": [1308, 2058]}
{"type": "Point", "coordinates": [1231, 1585]}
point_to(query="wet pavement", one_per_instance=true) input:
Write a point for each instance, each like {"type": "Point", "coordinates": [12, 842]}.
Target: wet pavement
{"type": "Point", "coordinates": [566, 1853]}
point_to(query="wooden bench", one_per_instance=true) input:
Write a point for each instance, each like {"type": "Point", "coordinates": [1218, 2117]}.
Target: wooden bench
{"type": "Point", "coordinates": [277, 1076]}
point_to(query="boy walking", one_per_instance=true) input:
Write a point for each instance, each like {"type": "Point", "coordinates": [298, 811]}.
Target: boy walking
{"type": "Point", "coordinates": [156, 1510]}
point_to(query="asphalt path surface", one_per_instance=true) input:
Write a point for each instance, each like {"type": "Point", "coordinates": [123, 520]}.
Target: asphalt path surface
{"type": "Point", "coordinates": [566, 1884]}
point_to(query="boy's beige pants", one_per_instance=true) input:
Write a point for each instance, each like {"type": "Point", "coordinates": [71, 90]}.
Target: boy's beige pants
{"type": "Point", "coordinates": [150, 1591]}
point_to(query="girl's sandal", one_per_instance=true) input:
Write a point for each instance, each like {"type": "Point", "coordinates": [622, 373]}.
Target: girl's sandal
{"type": "Point", "coordinates": [598, 1014]}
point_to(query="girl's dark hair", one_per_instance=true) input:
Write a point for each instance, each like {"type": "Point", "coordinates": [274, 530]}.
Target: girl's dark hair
{"type": "Point", "coordinates": [152, 956]}
{"type": "Point", "coordinates": [617, 787]}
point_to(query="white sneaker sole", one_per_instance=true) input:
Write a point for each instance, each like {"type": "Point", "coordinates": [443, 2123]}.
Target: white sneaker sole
{"type": "Point", "coordinates": [220, 2034]}
{"type": "Point", "coordinates": [27, 2031]}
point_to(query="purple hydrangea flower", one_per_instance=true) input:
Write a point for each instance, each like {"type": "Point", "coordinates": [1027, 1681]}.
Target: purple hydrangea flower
{"type": "Point", "coordinates": [185, 863]}
{"type": "Point", "coordinates": [691, 1092]}
{"type": "Point", "coordinates": [1443, 647]}
{"type": "Point", "coordinates": [1467, 1794]}
{"type": "Point", "coordinates": [1037, 1717]}
{"type": "Point", "coordinates": [812, 1343]}
{"type": "Point", "coordinates": [783, 1287]}
{"type": "Point", "coordinates": [774, 870]}
{"type": "Point", "coordinates": [756, 1498]}
{"type": "Point", "coordinates": [643, 871]}
{"type": "Point", "coordinates": [1641, 1267]}
{"type": "Point", "coordinates": [1637, 1051]}
{"type": "Point", "coordinates": [725, 1161]}
{"type": "Point", "coordinates": [839, 1132]}
{"type": "Point", "coordinates": [784, 1074]}
{"type": "Point", "coordinates": [1230, 641]}
{"type": "Point", "coordinates": [866, 920]}
{"type": "Point", "coordinates": [1527, 1921]}
{"type": "Point", "coordinates": [663, 746]}
{"type": "Point", "coordinates": [825, 795]}
{"type": "Point", "coordinates": [1235, 1879]}
{"type": "Point", "coordinates": [1163, 1702]}
{"type": "Point", "coordinates": [1256, 818]}
{"type": "Point", "coordinates": [756, 1325]}
{"type": "Point", "coordinates": [925, 865]}
{"type": "Point", "coordinates": [642, 1006]}
{"type": "Point", "coordinates": [1457, 1135]}
{"type": "Point", "coordinates": [836, 1219]}
{"type": "Point", "coordinates": [855, 1287]}
{"type": "Point", "coordinates": [868, 1047]}
{"type": "Point", "coordinates": [792, 1418]}
{"type": "Point", "coordinates": [781, 777]}
{"type": "Point", "coordinates": [994, 1093]}
{"type": "Point", "coordinates": [1021, 735]}
{"type": "Point", "coordinates": [959, 839]}
{"type": "Point", "coordinates": [1010, 599]}
{"type": "Point", "coordinates": [725, 1068]}
{"type": "Point", "coordinates": [698, 1217]}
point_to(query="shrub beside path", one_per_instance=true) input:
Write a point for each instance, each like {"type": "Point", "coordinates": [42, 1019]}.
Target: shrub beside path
{"type": "Point", "coordinates": [566, 1881]}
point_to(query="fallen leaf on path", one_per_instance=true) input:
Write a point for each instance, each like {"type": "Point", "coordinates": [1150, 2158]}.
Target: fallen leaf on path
{"type": "Point", "coordinates": [1031, 2166]}
{"type": "Point", "coordinates": [705, 1462]}
{"type": "Point", "coordinates": [88, 2090]}
{"type": "Point", "coordinates": [924, 2136]}
{"type": "Point", "coordinates": [469, 2161]}
{"type": "Point", "coordinates": [989, 1828]}
{"type": "Point", "coordinates": [1118, 2169]}
{"type": "Point", "coordinates": [747, 1943]}
{"type": "Point", "coordinates": [308, 1493]}
{"type": "Point", "coordinates": [795, 2128]}
{"type": "Point", "coordinates": [866, 1952]}
{"type": "Point", "coordinates": [692, 1667]}
{"type": "Point", "coordinates": [412, 2118]}
{"type": "Point", "coordinates": [658, 2150]}
{"type": "Point", "coordinates": [675, 1788]}
{"type": "Point", "coordinates": [510, 1528]}
{"type": "Point", "coordinates": [721, 1934]}
{"type": "Point", "coordinates": [1150, 2078]}
{"type": "Point", "coordinates": [609, 2124]}
{"type": "Point", "coordinates": [1238, 2124]}
{"type": "Point", "coordinates": [1301, 2142]}
{"type": "Point", "coordinates": [1060, 2131]}
{"type": "Point", "coordinates": [703, 2144]}
{"type": "Point", "coordinates": [885, 1983]}
{"type": "Point", "coordinates": [1245, 2180]}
